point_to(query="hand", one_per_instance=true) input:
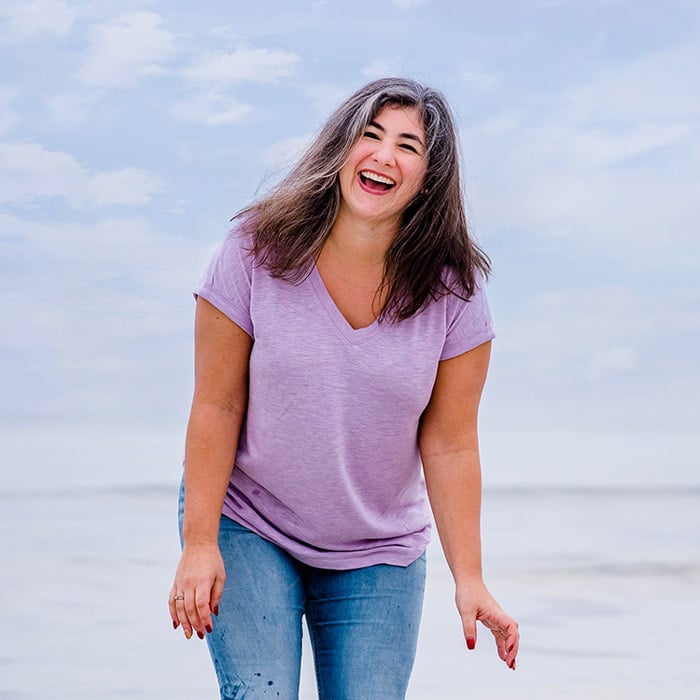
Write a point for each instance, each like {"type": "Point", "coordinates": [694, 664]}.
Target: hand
{"type": "Point", "coordinates": [197, 589]}
{"type": "Point", "coordinates": [474, 602]}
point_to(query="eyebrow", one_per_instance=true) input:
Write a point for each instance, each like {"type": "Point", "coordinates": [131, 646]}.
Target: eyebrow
{"type": "Point", "coordinates": [406, 135]}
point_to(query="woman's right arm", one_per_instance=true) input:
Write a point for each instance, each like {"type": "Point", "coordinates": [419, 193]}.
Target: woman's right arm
{"type": "Point", "coordinates": [222, 352]}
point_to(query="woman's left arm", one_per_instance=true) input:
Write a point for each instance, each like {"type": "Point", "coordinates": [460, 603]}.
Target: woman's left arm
{"type": "Point", "coordinates": [449, 449]}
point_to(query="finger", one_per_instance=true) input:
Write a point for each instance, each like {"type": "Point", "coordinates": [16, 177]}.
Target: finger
{"type": "Point", "coordinates": [171, 608]}
{"type": "Point", "coordinates": [507, 635]}
{"type": "Point", "coordinates": [512, 643]}
{"type": "Point", "coordinates": [195, 623]}
{"type": "Point", "coordinates": [183, 616]}
{"type": "Point", "coordinates": [216, 592]}
{"type": "Point", "coordinates": [202, 598]}
{"type": "Point", "coordinates": [498, 628]}
{"type": "Point", "coordinates": [500, 637]}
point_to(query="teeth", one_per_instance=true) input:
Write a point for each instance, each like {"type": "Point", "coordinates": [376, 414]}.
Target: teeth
{"type": "Point", "coordinates": [377, 178]}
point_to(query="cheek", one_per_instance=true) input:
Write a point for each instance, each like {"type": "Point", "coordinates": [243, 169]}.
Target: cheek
{"type": "Point", "coordinates": [417, 176]}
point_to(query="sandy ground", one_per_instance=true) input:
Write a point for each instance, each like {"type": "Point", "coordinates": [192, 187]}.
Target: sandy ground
{"type": "Point", "coordinates": [605, 588]}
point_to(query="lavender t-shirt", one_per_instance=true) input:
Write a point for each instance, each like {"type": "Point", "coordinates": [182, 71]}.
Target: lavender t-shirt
{"type": "Point", "coordinates": [328, 466]}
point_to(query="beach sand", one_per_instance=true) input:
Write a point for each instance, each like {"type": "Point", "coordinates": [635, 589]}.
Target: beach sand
{"type": "Point", "coordinates": [604, 583]}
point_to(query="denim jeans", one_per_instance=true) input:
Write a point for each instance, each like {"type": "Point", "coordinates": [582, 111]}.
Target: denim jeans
{"type": "Point", "coordinates": [363, 623]}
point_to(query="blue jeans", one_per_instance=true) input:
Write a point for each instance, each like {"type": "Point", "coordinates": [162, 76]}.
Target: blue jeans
{"type": "Point", "coordinates": [363, 623]}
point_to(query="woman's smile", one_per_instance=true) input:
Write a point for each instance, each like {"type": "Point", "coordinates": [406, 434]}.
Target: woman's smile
{"type": "Point", "coordinates": [385, 168]}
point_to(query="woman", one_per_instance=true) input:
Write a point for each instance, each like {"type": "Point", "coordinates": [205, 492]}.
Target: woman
{"type": "Point", "coordinates": [341, 342]}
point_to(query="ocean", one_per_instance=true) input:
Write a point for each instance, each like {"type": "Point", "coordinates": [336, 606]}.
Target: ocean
{"type": "Point", "coordinates": [605, 583]}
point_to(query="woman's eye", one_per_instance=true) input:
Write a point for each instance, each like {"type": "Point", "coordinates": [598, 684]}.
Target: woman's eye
{"type": "Point", "coordinates": [371, 135]}
{"type": "Point", "coordinates": [409, 147]}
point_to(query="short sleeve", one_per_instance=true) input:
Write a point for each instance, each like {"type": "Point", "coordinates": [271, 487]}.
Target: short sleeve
{"type": "Point", "coordinates": [469, 324]}
{"type": "Point", "coordinates": [226, 281]}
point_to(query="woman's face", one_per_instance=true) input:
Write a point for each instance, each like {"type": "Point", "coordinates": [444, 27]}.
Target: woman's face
{"type": "Point", "coordinates": [385, 168]}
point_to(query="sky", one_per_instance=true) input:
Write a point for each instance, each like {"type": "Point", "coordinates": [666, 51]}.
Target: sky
{"type": "Point", "coordinates": [132, 130]}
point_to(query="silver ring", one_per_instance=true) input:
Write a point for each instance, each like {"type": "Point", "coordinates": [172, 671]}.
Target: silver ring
{"type": "Point", "coordinates": [179, 597]}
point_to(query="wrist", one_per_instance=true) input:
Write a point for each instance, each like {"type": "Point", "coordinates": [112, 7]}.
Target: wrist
{"type": "Point", "coordinates": [469, 579]}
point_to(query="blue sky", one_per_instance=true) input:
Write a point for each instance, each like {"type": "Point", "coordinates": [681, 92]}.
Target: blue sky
{"type": "Point", "coordinates": [130, 132]}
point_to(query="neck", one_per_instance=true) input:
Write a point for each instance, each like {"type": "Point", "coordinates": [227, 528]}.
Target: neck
{"type": "Point", "coordinates": [364, 243]}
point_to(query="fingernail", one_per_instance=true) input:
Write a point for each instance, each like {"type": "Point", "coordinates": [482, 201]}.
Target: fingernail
{"type": "Point", "coordinates": [188, 634]}
{"type": "Point", "coordinates": [200, 634]}
{"type": "Point", "coordinates": [216, 610]}
{"type": "Point", "coordinates": [209, 628]}
{"type": "Point", "coordinates": [471, 643]}
{"type": "Point", "coordinates": [175, 624]}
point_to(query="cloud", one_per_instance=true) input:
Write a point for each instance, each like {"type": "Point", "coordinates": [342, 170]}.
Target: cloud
{"type": "Point", "coordinates": [381, 67]}
{"type": "Point", "coordinates": [212, 108]}
{"type": "Point", "coordinates": [586, 171]}
{"type": "Point", "coordinates": [283, 154]}
{"type": "Point", "coordinates": [8, 116]}
{"type": "Point", "coordinates": [252, 65]}
{"type": "Point", "coordinates": [482, 79]}
{"type": "Point", "coordinates": [68, 110]}
{"type": "Point", "coordinates": [407, 4]}
{"type": "Point", "coordinates": [663, 84]}
{"type": "Point", "coordinates": [29, 172]}
{"type": "Point", "coordinates": [218, 71]}
{"type": "Point", "coordinates": [612, 360]}
{"type": "Point", "coordinates": [571, 336]}
{"type": "Point", "coordinates": [30, 19]}
{"type": "Point", "coordinates": [127, 49]}
{"type": "Point", "coordinates": [606, 356]}
{"type": "Point", "coordinates": [97, 321]}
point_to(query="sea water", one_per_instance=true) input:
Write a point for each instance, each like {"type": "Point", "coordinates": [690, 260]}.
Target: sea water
{"type": "Point", "coordinates": [605, 583]}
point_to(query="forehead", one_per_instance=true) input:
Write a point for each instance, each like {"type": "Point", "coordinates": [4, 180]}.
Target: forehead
{"type": "Point", "coordinates": [400, 118]}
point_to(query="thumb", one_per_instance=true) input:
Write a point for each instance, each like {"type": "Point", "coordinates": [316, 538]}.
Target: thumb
{"type": "Point", "coordinates": [469, 627]}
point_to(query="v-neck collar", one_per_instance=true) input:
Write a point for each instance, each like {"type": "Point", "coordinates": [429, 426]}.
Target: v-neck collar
{"type": "Point", "coordinates": [353, 335]}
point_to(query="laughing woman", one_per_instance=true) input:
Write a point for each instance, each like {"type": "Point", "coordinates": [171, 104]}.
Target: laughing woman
{"type": "Point", "coordinates": [342, 340]}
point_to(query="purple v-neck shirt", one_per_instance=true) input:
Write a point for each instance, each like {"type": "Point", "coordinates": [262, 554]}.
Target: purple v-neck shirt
{"type": "Point", "coordinates": [327, 465]}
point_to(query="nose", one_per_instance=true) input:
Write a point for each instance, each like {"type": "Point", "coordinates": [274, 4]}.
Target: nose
{"type": "Point", "coordinates": [384, 153]}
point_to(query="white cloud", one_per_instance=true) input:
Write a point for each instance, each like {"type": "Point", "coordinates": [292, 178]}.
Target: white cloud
{"type": "Point", "coordinates": [406, 4]}
{"type": "Point", "coordinates": [253, 65]}
{"type": "Point", "coordinates": [106, 309]}
{"type": "Point", "coordinates": [661, 85]}
{"type": "Point", "coordinates": [69, 110]}
{"type": "Point", "coordinates": [126, 186]}
{"type": "Point", "coordinates": [284, 154]}
{"type": "Point", "coordinates": [571, 336]}
{"type": "Point", "coordinates": [29, 172]}
{"type": "Point", "coordinates": [381, 68]}
{"type": "Point", "coordinates": [482, 79]}
{"type": "Point", "coordinates": [588, 172]}
{"type": "Point", "coordinates": [96, 287]}
{"type": "Point", "coordinates": [212, 108]}
{"type": "Point", "coordinates": [612, 360]}
{"type": "Point", "coordinates": [29, 19]}
{"type": "Point", "coordinates": [127, 247]}
{"type": "Point", "coordinates": [8, 116]}
{"type": "Point", "coordinates": [326, 96]}
{"type": "Point", "coordinates": [127, 49]}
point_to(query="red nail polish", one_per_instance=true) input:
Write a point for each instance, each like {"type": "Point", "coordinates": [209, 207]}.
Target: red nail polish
{"type": "Point", "coordinates": [216, 610]}
{"type": "Point", "coordinates": [209, 628]}
{"type": "Point", "coordinates": [200, 634]}
{"type": "Point", "coordinates": [175, 624]}
{"type": "Point", "coordinates": [471, 643]}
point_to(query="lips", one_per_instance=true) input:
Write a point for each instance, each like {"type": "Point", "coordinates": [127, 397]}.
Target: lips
{"type": "Point", "coordinates": [375, 183]}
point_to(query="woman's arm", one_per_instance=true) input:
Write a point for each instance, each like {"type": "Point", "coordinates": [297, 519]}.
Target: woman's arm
{"type": "Point", "coordinates": [449, 450]}
{"type": "Point", "coordinates": [222, 352]}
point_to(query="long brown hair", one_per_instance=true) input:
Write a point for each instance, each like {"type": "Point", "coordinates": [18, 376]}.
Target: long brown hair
{"type": "Point", "coordinates": [291, 223]}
